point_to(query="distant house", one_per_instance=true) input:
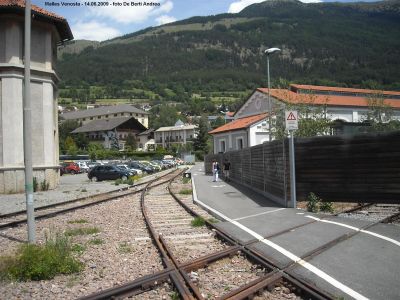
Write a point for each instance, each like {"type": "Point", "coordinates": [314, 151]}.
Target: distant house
{"type": "Point", "coordinates": [108, 112]}
{"type": "Point", "coordinates": [347, 107]}
{"type": "Point", "coordinates": [240, 133]}
{"type": "Point", "coordinates": [146, 140]}
{"type": "Point", "coordinates": [114, 131]}
{"type": "Point", "coordinates": [179, 134]}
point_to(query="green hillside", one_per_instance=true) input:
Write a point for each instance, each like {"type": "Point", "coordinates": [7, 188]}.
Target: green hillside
{"type": "Point", "coordinates": [355, 45]}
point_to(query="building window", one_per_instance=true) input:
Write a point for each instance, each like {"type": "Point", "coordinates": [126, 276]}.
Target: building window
{"type": "Point", "coordinates": [91, 118]}
{"type": "Point", "coordinates": [122, 114]}
{"type": "Point", "coordinates": [106, 116]}
{"type": "Point", "coordinates": [84, 119]}
{"type": "Point", "coordinates": [99, 117]}
{"type": "Point", "coordinates": [222, 146]}
{"type": "Point", "coordinates": [115, 115]}
{"type": "Point", "coordinates": [131, 114]}
{"type": "Point", "coordinates": [239, 143]}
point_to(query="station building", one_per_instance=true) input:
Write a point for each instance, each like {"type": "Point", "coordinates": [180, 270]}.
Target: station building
{"type": "Point", "coordinates": [48, 30]}
{"type": "Point", "coordinates": [349, 106]}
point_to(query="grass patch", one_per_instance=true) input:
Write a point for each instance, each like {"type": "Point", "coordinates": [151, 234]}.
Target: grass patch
{"type": "Point", "coordinates": [213, 220]}
{"type": "Point", "coordinates": [96, 242]}
{"type": "Point", "coordinates": [186, 180]}
{"type": "Point", "coordinates": [41, 262]}
{"type": "Point", "coordinates": [81, 231]}
{"type": "Point", "coordinates": [78, 248]}
{"type": "Point", "coordinates": [83, 190]}
{"type": "Point", "coordinates": [78, 221]}
{"type": "Point", "coordinates": [125, 248]}
{"type": "Point", "coordinates": [185, 192]}
{"type": "Point", "coordinates": [198, 222]}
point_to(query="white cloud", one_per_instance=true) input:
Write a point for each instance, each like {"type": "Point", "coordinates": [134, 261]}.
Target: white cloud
{"type": "Point", "coordinates": [94, 31]}
{"type": "Point", "coordinates": [164, 19]}
{"type": "Point", "coordinates": [237, 6]}
{"type": "Point", "coordinates": [132, 14]}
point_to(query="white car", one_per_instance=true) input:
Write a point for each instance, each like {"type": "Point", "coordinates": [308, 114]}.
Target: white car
{"type": "Point", "coordinates": [83, 166]}
{"type": "Point", "coordinates": [133, 171]}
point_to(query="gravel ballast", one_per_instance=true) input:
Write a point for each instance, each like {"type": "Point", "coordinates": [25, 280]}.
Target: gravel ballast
{"type": "Point", "coordinates": [122, 251]}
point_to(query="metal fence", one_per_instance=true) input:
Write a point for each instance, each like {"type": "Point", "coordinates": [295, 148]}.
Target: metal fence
{"type": "Point", "coordinates": [262, 168]}
{"type": "Point", "coordinates": [363, 168]}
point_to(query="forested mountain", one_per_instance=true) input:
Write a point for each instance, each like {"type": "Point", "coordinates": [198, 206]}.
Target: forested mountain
{"type": "Point", "coordinates": [346, 44]}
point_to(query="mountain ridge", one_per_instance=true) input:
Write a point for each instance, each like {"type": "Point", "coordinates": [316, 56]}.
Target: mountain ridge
{"type": "Point", "coordinates": [349, 44]}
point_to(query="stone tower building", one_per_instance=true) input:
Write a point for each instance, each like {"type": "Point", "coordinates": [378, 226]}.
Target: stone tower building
{"type": "Point", "coordinates": [48, 30]}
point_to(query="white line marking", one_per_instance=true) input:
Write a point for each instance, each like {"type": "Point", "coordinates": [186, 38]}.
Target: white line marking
{"type": "Point", "coordinates": [288, 254]}
{"type": "Point", "coordinates": [393, 241]}
{"type": "Point", "coordinates": [263, 213]}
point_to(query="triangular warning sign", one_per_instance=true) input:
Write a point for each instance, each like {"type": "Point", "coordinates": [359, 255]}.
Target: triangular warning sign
{"type": "Point", "coordinates": [291, 117]}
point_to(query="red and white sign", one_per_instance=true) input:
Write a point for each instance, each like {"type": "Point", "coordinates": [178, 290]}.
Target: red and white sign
{"type": "Point", "coordinates": [291, 120]}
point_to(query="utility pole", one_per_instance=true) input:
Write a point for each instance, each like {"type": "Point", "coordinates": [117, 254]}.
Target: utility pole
{"type": "Point", "coordinates": [28, 127]}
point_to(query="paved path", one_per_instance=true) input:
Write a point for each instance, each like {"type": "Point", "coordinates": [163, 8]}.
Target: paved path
{"type": "Point", "coordinates": [365, 266]}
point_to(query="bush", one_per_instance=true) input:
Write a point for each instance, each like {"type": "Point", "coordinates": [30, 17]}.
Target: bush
{"type": "Point", "coordinates": [35, 184]}
{"type": "Point", "coordinates": [41, 262]}
{"type": "Point", "coordinates": [316, 204]}
{"type": "Point", "coordinates": [312, 202]}
{"type": "Point", "coordinates": [44, 185]}
{"type": "Point", "coordinates": [326, 207]}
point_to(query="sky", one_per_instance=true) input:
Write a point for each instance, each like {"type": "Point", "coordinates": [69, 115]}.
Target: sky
{"type": "Point", "coordinates": [101, 23]}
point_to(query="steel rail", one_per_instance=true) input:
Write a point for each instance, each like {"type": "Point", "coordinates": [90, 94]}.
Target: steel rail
{"type": "Point", "coordinates": [253, 255]}
{"type": "Point", "coordinates": [178, 272]}
{"type": "Point", "coordinates": [43, 207]}
{"type": "Point", "coordinates": [179, 281]}
{"type": "Point", "coordinates": [69, 209]}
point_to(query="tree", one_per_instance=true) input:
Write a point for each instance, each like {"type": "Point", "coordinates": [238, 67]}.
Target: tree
{"type": "Point", "coordinates": [130, 142]}
{"type": "Point", "coordinates": [312, 118]}
{"type": "Point", "coordinates": [70, 146]}
{"type": "Point", "coordinates": [200, 143]}
{"type": "Point", "coordinates": [380, 114]}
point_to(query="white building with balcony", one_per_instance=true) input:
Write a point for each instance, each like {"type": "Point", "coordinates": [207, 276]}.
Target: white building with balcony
{"type": "Point", "coordinates": [179, 134]}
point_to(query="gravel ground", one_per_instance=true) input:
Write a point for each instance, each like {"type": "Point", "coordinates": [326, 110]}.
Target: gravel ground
{"type": "Point", "coordinates": [225, 275]}
{"type": "Point", "coordinates": [71, 187]}
{"type": "Point", "coordinates": [278, 293]}
{"type": "Point", "coordinates": [124, 253]}
{"type": "Point", "coordinates": [163, 291]}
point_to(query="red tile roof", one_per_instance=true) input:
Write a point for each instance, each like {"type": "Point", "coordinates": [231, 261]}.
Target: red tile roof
{"type": "Point", "coordinates": [340, 89]}
{"type": "Point", "coordinates": [330, 100]}
{"type": "Point", "coordinates": [241, 123]}
{"type": "Point", "coordinates": [21, 3]}
{"type": "Point", "coordinates": [60, 22]}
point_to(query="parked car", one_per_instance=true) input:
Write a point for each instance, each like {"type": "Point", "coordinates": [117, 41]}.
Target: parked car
{"type": "Point", "coordinates": [137, 165]}
{"type": "Point", "coordinates": [83, 166]}
{"type": "Point", "coordinates": [155, 168]}
{"type": "Point", "coordinates": [126, 168]}
{"type": "Point", "coordinates": [62, 170]}
{"type": "Point", "coordinates": [108, 172]}
{"type": "Point", "coordinates": [71, 168]}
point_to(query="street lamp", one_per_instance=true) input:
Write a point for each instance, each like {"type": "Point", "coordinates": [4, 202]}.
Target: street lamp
{"type": "Point", "coordinates": [269, 52]}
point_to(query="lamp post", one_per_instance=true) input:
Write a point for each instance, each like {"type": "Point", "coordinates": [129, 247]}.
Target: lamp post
{"type": "Point", "coordinates": [269, 52]}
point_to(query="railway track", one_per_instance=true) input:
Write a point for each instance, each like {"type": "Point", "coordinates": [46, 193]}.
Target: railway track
{"type": "Point", "coordinates": [48, 211]}
{"type": "Point", "coordinates": [381, 213]}
{"type": "Point", "coordinates": [203, 262]}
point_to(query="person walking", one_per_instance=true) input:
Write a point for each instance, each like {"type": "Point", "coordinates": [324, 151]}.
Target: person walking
{"type": "Point", "coordinates": [227, 167]}
{"type": "Point", "coordinates": [215, 170]}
